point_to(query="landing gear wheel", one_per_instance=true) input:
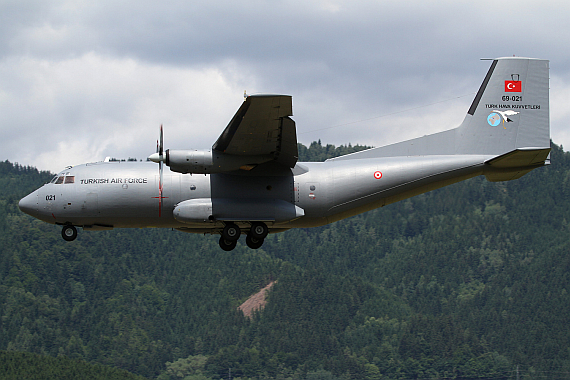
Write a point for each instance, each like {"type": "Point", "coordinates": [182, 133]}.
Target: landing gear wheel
{"type": "Point", "coordinates": [258, 230]}
{"type": "Point", "coordinates": [69, 232]}
{"type": "Point", "coordinates": [231, 232]}
{"type": "Point", "coordinates": [227, 245]}
{"type": "Point", "coordinates": [252, 242]}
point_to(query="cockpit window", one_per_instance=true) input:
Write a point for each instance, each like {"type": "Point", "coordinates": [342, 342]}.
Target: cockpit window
{"type": "Point", "coordinates": [69, 179]}
{"type": "Point", "coordinates": [53, 179]}
{"type": "Point", "coordinates": [59, 180]}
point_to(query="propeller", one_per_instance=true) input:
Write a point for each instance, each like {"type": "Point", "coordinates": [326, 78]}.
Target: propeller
{"type": "Point", "coordinates": [158, 157]}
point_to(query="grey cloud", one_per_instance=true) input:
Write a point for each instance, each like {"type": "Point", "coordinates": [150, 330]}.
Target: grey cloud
{"type": "Point", "coordinates": [342, 61]}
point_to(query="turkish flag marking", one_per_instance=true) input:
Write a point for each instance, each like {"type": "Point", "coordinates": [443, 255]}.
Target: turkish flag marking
{"type": "Point", "coordinates": [513, 86]}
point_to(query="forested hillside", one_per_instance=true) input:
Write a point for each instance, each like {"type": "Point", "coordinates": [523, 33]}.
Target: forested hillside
{"type": "Point", "coordinates": [24, 365]}
{"type": "Point", "coordinates": [469, 281]}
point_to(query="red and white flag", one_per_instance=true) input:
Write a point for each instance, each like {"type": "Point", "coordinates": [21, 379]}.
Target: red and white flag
{"type": "Point", "coordinates": [513, 86]}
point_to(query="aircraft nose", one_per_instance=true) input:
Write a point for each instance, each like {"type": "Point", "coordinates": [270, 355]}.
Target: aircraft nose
{"type": "Point", "coordinates": [29, 204]}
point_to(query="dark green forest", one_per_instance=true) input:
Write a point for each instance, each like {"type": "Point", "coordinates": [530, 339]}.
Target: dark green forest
{"type": "Point", "coordinates": [467, 282]}
{"type": "Point", "coordinates": [28, 366]}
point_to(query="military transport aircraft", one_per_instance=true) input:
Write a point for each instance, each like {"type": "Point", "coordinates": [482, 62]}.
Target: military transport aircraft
{"type": "Point", "coordinates": [250, 182]}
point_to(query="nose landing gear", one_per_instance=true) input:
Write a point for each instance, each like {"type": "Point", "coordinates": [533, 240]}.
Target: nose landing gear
{"type": "Point", "coordinates": [69, 232]}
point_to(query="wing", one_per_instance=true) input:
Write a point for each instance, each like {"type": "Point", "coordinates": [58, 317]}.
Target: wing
{"type": "Point", "coordinates": [262, 126]}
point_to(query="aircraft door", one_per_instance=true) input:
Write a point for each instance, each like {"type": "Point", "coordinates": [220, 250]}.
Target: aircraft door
{"type": "Point", "coordinates": [84, 201]}
{"type": "Point", "coordinates": [90, 206]}
{"type": "Point", "coordinates": [68, 201]}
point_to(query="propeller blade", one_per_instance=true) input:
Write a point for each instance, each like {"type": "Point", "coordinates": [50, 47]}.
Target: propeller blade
{"type": "Point", "coordinates": [158, 157]}
{"type": "Point", "coordinates": [161, 150]}
{"type": "Point", "coordinates": [160, 190]}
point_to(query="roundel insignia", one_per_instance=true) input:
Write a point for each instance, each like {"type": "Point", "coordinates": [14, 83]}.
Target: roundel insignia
{"type": "Point", "coordinates": [494, 119]}
{"type": "Point", "coordinates": [377, 175]}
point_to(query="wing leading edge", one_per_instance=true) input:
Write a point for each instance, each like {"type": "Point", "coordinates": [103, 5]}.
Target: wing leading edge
{"type": "Point", "coordinates": [262, 127]}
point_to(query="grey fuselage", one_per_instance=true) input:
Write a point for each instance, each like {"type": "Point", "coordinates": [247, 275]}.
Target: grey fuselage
{"type": "Point", "coordinates": [108, 195]}
{"type": "Point", "coordinates": [255, 182]}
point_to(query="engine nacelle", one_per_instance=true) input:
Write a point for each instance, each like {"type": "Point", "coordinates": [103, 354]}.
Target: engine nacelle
{"type": "Point", "coordinates": [208, 161]}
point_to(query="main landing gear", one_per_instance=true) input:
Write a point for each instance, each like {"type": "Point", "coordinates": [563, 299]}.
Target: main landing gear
{"type": "Point", "coordinates": [254, 239]}
{"type": "Point", "coordinates": [69, 232]}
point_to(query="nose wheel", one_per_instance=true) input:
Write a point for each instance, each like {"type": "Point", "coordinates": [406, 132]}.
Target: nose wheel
{"type": "Point", "coordinates": [69, 232]}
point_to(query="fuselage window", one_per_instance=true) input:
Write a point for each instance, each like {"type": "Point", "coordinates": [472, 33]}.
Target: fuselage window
{"type": "Point", "coordinates": [69, 179]}
{"type": "Point", "coordinates": [312, 187]}
{"type": "Point", "coordinates": [59, 180]}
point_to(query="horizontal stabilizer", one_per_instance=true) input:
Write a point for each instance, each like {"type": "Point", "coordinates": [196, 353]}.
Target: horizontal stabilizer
{"type": "Point", "coordinates": [521, 158]}
{"type": "Point", "coordinates": [515, 164]}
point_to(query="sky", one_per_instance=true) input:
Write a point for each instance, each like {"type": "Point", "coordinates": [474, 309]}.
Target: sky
{"type": "Point", "coordinates": [83, 80]}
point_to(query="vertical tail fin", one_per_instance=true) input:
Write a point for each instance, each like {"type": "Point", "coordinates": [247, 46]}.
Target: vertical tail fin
{"type": "Point", "coordinates": [510, 110]}
{"type": "Point", "coordinates": [509, 113]}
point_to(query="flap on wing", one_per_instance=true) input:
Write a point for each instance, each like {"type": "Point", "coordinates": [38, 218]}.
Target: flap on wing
{"type": "Point", "coordinates": [262, 126]}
